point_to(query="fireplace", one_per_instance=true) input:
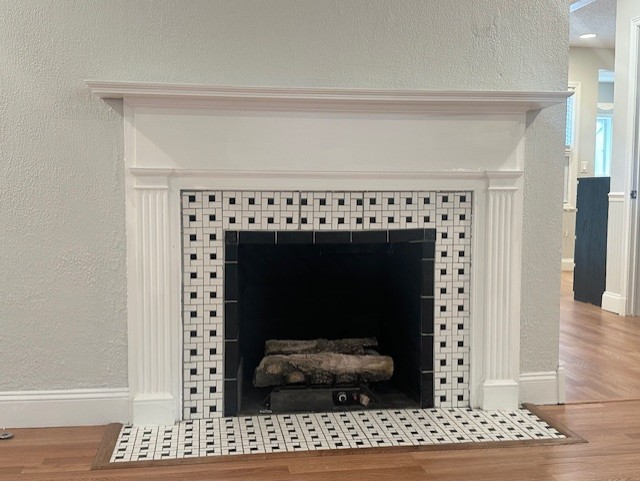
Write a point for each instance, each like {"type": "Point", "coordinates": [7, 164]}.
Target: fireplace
{"type": "Point", "coordinates": [390, 265]}
{"type": "Point", "coordinates": [184, 141]}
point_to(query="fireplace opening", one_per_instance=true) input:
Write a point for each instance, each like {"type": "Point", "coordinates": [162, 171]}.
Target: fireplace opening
{"type": "Point", "coordinates": [371, 286]}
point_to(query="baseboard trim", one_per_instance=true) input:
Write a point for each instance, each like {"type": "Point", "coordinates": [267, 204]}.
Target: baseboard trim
{"type": "Point", "coordinates": [499, 394]}
{"type": "Point", "coordinates": [545, 387]}
{"type": "Point", "coordinates": [567, 264]}
{"type": "Point", "coordinates": [612, 302]}
{"type": "Point", "coordinates": [72, 407]}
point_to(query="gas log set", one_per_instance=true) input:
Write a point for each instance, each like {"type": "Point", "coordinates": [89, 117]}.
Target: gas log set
{"type": "Point", "coordinates": [320, 373]}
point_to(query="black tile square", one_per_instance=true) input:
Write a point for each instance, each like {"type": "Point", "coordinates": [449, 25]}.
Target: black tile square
{"type": "Point", "coordinates": [330, 237]}
{"type": "Point", "coordinates": [231, 359]}
{"type": "Point", "coordinates": [426, 390]}
{"type": "Point", "coordinates": [230, 281]}
{"type": "Point", "coordinates": [231, 321]}
{"type": "Point", "coordinates": [426, 353]}
{"type": "Point", "coordinates": [256, 237]}
{"type": "Point", "coordinates": [430, 235]}
{"type": "Point", "coordinates": [427, 277]}
{"type": "Point", "coordinates": [369, 237]}
{"type": "Point", "coordinates": [406, 235]}
{"type": "Point", "coordinates": [231, 237]}
{"type": "Point", "coordinates": [426, 315]}
{"type": "Point", "coordinates": [231, 252]}
{"type": "Point", "coordinates": [230, 397]}
{"type": "Point", "coordinates": [294, 237]}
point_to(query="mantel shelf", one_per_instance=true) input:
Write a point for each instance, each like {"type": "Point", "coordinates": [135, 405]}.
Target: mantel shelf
{"type": "Point", "coordinates": [316, 99]}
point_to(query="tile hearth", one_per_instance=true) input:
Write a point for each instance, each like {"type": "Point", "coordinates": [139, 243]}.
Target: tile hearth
{"type": "Point", "coordinates": [322, 431]}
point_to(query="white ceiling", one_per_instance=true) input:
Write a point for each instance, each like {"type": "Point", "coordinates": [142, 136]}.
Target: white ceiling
{"type": "Point", "coordinates": [597, 16]}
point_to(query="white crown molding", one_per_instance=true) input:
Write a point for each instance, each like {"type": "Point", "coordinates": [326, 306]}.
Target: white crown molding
{"type": "Point", "coordinates": [315, 99]}
{"type": "Point", "coordinates": [163, 173]}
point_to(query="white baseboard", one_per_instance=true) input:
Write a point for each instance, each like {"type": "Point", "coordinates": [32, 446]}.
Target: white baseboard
{"type": "Point", "coordinates": [501, 395]}
{"type": "Point", "coordinates": [567, 264]}
{"type": "Point", "coordinates": [542, 387]}
{"type": "Point", "coordinates": [156, 409]}
{"type": "Point", "coordinates": [612, 302]}
{"type": "Point", "coordinates": [73, 407]}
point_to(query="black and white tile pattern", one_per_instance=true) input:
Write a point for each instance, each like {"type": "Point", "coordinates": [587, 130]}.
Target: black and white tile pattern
{"type": "Point", "coordinates": [206, 215]}
{"type": "Point", "coordinates": [322, 431]}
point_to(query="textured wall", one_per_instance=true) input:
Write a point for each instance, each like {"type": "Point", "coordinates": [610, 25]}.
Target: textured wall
{"type": "Point", "coordinates": [62, 265]}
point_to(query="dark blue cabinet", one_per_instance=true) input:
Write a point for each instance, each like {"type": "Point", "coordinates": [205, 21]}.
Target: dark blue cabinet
{"type": "Point", "coordinates": [589, 274]}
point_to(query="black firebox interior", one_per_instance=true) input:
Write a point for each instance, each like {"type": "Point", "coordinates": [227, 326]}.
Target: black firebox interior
{"type": "Point", "coordinates": [299, 287]}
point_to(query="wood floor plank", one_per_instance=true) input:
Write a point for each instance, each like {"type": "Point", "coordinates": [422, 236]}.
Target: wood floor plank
{"type": "Point", "coordinates": [600, 351]}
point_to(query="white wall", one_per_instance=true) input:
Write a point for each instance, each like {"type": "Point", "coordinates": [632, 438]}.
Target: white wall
{"type": "Point", "coordinates": [62, 269]}
{"type": "Point", "coordinates": [620, 213]}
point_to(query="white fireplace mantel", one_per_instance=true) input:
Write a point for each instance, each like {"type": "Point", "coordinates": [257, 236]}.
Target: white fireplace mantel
{"type": "Point", "coordinates": [204, 137]}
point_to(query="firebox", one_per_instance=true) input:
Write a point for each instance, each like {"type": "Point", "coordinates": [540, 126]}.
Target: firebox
{"type": "Point", "coordinates": [329, 285]}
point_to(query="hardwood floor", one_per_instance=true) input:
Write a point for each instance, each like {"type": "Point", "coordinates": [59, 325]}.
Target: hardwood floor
{"type": "Point", "coordinates": [600, 352]}
{"type": "Point", "coordinates": [612, 452]}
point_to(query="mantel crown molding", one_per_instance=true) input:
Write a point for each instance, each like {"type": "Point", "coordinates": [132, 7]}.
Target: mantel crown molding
{"type": "Point", "coordinates": [326, 99]}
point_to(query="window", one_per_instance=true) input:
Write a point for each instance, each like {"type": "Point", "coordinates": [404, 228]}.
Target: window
{"type": "Point", "coordinates": [571, 120]}
{"type": "Point", "coordinates": [603, 145]}
{"type": "Point", "coordinates": [569, 143]}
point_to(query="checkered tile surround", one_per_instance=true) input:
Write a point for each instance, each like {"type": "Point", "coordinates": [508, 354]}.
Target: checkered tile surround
{"type": "Point", "coordinates": [337, 430]}
{"type": "Point", "coordinates": [206, 215]}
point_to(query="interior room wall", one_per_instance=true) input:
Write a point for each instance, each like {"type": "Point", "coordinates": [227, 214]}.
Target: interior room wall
{"type": "Point", "coordinates": [62, 268]}
{"type": "Point", "coordinates": [584, 65]}
{"type": "Point", "coordinates": [619, 255]}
